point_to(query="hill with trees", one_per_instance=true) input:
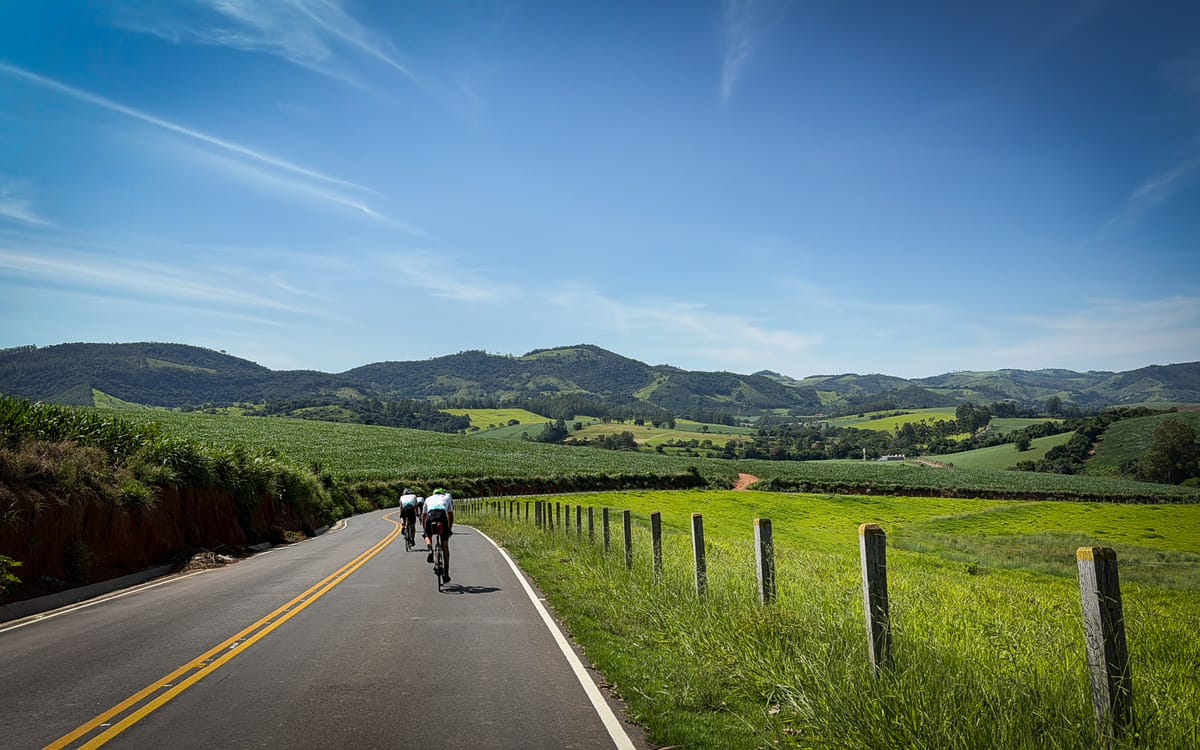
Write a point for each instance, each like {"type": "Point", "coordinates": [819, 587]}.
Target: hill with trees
{"type": "Point", "coordinates": [562, 382]}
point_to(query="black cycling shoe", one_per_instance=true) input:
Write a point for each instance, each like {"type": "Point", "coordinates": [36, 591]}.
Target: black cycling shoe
{"type": "Point", "coordinates": [429, 557]}
{"type": "Point", "coordinates": [445, 578]}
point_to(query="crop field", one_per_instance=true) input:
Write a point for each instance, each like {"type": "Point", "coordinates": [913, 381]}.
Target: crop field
{"type": "Point", "coordinates": [362, 452]}
{"type": "Point", "coordinates": [985, 613]}
{"type": "Point", "coordinates": [1127, 440]}
{"type": "Point", "coordinates": [1004, 456]}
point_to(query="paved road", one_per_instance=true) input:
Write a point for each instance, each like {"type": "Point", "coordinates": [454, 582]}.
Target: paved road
{"type": "Point", "coordinates": [342, 640]}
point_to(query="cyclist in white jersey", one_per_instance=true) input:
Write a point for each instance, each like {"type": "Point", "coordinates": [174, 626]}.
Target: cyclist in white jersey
{"type": "Point", "coordinates": [439, 508]}
{"type": "Point", "coordinates": [408, 510]}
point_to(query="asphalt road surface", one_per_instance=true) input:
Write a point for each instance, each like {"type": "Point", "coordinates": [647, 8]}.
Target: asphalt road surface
{"type": "Point", "coordinates": [340, 641]}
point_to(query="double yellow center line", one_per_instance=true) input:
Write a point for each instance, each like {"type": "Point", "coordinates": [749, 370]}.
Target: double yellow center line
{"type": "Point", "coordinates": [141, 704]}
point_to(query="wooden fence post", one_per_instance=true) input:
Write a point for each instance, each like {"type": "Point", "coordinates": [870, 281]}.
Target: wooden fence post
{"type": "Point", "coordinates": [567, 519]}
{"type": "Point", "coordinates": [579, 522]}
{"type": "Point", "coordinates": [873, 546]}
{"type": "Point", "coordinates": [1107, 651]}
{"type": "Point", "coordinates": [701, 564]}
{"type": "Point", "coordinates": [557, 514]}
{"type": "Point", "coordinates": [627, 524]}
{"type": "Point", "coordinates": [526, 511]}
{"type": "Point", "coordinates": [591, 524]}
{"type": "Point", "coordinates": [656, 541]}
{"type": "Point", "coordinates": [607, 533]}
{"type": "Point", "coordinates": [764, 560]}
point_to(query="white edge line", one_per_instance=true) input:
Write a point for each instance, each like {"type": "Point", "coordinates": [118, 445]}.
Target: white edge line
{"type": "Point", "coordinates": [69, 608]}
{"type": "Point", "coordinates": [617, 732]}
{"type": "Point", "coordinates": [101, 599]}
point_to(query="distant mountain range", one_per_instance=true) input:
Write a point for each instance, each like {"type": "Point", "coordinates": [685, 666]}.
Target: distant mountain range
{"type": "Point", "coordinates": [177, 375]}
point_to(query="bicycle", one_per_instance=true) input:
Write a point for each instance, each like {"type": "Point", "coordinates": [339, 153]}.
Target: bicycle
{"type": "Point", "coordinates": [439, 560]}
{"type": "Point", "coordinates": [410, 535]}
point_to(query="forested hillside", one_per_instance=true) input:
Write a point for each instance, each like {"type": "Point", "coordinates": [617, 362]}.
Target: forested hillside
{"type": "Point", "coordinates": [563, 380]}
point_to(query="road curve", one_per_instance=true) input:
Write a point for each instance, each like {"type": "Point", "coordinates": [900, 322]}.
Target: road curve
{"type": "Point", "coordinates": [342, 640]}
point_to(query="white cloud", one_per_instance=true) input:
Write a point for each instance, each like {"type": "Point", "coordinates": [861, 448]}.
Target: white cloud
{"type": "Point", "coordinates": [1122, 333]}
{"type": "Point", "coordinates": [743, 26]}
{"type": "Point", "coordinates": [1158, 189]}
{"type": "Point", "coordinates": [15, 205]}
{"type": "Point", "coordinates": [307, 33]}
{"type": "Point", "coordinates": [441, 277]}
{"type": "Point", "coordinates": [224, 145]}
{"type": "Point", "coordinates": [141, 280]}
{"type": "Point", "coordinates": [690, 333]}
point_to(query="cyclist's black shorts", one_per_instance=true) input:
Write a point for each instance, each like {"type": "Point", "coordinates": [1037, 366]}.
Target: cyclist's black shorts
{"type": "Point", "coordinates": [435, 517]}
{"type": "Point", "coordinates": [409, 514]}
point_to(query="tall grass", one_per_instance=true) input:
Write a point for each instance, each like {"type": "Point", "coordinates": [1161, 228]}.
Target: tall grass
{"type": "Point", "coordinates": [984, 657]}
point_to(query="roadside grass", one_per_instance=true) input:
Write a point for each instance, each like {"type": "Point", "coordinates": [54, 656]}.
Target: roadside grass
{"type": "Point", "coordinates": [984, 656]}
{"type": "Point", "coordinates": [1004, 456]}
{"type": "Point", "coordinates": [1129, 439]}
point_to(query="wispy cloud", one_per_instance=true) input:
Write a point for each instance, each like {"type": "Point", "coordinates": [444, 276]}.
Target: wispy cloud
{"type": "Point", "coordinates": [440, 276]}
{"type": "Point", "coordinates": [228, 146]}
{"type": "Point", "coordinates": [744, 25]}
{"type": "Point", "coordinates": [1158, 189]}
{"type": "Point", "coordinates": [15, 205]}
{"type": "Point", "coordinates": [307, 33]}
{"type": "Point", "coordinates": [125, 278]}
{"type": "Point", "coordinates": [233, 159]}
{"type": "Point", "coordinates": [1133, 332]}
{"type": "Point", "coordinates": [693, 331]}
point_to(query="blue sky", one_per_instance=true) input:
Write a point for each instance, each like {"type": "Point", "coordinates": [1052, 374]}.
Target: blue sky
{"type": "Point", "coordinates": [806, 187]}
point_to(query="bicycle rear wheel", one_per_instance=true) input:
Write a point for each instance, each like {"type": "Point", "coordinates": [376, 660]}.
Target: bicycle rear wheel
{"type": "Point", "coordinates": [439, 563]}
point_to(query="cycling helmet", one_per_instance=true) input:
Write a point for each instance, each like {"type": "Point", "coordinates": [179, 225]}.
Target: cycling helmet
{"type": "Point", "coordinates": [440, 491]}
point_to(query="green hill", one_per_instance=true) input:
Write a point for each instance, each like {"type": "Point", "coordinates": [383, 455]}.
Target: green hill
{"type": "Point", "coordinates": [1128, 440]}
{"type": "Point", "coordinates": [568, 379]}
{"type": "Point", "coordinates": [1004, 456]}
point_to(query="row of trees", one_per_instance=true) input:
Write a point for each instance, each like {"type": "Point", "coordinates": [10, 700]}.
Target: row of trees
{"type": "Point", "coordinates": [414, 414]}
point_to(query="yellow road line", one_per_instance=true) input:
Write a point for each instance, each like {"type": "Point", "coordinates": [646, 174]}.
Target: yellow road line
{"type": "Point", "coordinates": [214, 658]}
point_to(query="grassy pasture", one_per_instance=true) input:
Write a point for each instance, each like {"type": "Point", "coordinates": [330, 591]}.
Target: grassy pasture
{"type": "Point", "coordinates": [988, 639]}
{"type": "Point", "coordinates": [1128, 440]}
{"type": "Point", "coordinates": [1004, 456]}
{"type": "Point", "coordinates": [492, 418]}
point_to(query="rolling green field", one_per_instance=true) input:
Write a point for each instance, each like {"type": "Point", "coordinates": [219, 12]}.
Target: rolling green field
{"type": "Point", "coordinates": [1004, 456]}
{"type": "Point", "coordinates": [985, 613]}
{"type": "Point", "coordinates": [369, 452]}
{"type": "Point", "coordinates": [1127, 441]}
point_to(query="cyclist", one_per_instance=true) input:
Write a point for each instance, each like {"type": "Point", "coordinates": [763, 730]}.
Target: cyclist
{"type": "Point", "coordinates": [439, 507]}
{"type": "Point", "coordinates": [408, 513]}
